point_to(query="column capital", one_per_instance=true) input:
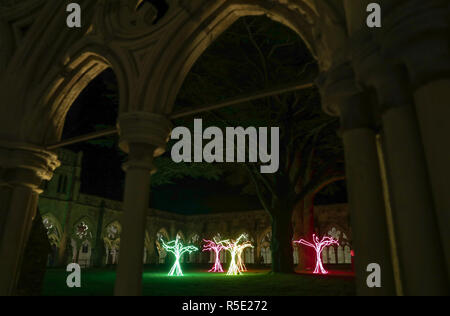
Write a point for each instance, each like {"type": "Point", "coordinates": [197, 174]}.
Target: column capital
{"type": "Point", "coordinates": [26, 164]}
{"type": "Point", "coordinates": [143, 136]}
{"type": "Point", "coordinates": [373, 71]}
{"type": "Point", "coordinates": [341, 96]}
{"type": "Point", "coordinates": [144, 128]}
{"type": "Point", "coordinates": [415, 33]}
{"type": "Point", "coordinates": [334, 85]}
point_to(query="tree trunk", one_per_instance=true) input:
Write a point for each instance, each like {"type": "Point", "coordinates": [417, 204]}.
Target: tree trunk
{"type": "Point", "coordinates": [308, 230]}
{"type": "Point", "coordinates": [304, 228]}
{"type": "Point", "coordinates": [297, 220]}
{"type": "Point", "coordinates": [282, 251]}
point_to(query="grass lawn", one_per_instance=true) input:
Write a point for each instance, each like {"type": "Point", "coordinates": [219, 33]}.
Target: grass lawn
{"type": "Point", "coordinates": [195, 282]}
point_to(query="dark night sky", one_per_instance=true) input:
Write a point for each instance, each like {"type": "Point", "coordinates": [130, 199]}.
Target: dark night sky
{"type": "Point", "coordinates": [102, 174]}
{"type": "Point", "coordinates": [96, 108]}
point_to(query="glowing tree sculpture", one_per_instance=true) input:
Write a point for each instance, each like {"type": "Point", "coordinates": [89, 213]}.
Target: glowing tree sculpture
{"type": "Point", "coordinates": [217, 247]}
{"type": "Point", "coordinates": [236, 249]}
{"type": "Point", "coordinates": [240, 261]}
{"type": "Point", "coordinates": [177, 248]}
{"type": "Point", "coordinates": [318, 247]}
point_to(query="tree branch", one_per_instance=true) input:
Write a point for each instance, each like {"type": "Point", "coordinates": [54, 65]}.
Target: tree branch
{"type": "Point", "coordinates": [259, 192]}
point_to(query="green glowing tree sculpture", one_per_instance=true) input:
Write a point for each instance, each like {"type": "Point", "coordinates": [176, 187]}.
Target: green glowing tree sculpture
{"type": "Point", "coordinates": [235, 247]}
{"type": "Point", "coordinates": [177, 248]}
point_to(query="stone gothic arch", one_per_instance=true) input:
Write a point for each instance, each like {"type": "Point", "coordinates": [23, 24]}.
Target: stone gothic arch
{"type": "Point", "coordinates": [163, 231]}
{"type": "Point", "coordinates": [82, 239]}
{"type": "Point", "coordinates": [150, 61]}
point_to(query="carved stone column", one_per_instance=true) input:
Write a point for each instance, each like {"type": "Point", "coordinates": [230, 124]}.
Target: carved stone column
{"type": "Point", "coordinates": [416, 34]}
{"type": "Point", "coordinates": [22, 169]}
{"type": "Point", "coordinates": [414, 217]}
{"type": "Point", "coordinates": [143, 136]}
{"type": "Point", "coordinates": [366, 201]}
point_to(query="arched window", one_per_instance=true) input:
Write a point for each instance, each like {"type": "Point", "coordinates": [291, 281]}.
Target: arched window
{"type": "Point", "coordinates": [325, 256]}
{"type": "Point", "coordinates": [85, 248]}
{"type": "Point", "coordinates": [331, 255]}
{"type": "Point", "coordinates": [266, 252]}
{"type": "Point", "coordinates": [54, 237]}
{"type": "Point", "coordinates": [249, 253]}
{"type": "Point", "coordinates": [337, 254]}
{"type": "Point", "coordinates": [82, 231]}
{"type": "Point", "coordinates": [340, 254]}
{"type": "Point", "coordinates": [84, 255]}
{"type": "Point", "coordinates": [53, 233]}
{"type": "Point", "coordinates": [162, 253]}
{"type": "Point", "coordinates": [347, 254]}
{"type": "Point", "coordinates": [112, 242]}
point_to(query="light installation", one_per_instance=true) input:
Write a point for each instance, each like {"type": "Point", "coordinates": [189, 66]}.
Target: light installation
{"type": "Point", "coordinates": [177, 249]}
{"type": "Point", "coordinates": [240, 260]}
{"type": "Point", "coordinates": [235, 247]}
{"type": "Point", "coordinates": [217, 247]}
{"type": "Point", "coordinates": [318, 246]}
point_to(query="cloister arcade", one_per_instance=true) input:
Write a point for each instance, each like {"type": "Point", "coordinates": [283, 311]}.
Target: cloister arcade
{"type": "Point", "coordinates": [388, 85]}
{"type": "Point", "coordinates": [94, 227]}
{"type": "Point", "coordinates": [82, 245]}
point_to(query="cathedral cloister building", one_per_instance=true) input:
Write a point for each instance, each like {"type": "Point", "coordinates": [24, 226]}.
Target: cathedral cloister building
{"type": "Point", "coordinates": [389, 86]}
{"type": "Point", "coordinates": [86, 229]}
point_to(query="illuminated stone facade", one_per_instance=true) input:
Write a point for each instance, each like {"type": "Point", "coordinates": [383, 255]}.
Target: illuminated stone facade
{"type": "Point", "coordinates": [73, 220]}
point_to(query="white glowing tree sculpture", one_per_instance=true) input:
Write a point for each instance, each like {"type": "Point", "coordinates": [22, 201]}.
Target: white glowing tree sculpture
{"type": "Point", "coordinates": [235, 247]}
{"type": "Point", "coordinates": [177, 249]}
{"type": "Point", "coordinates": [318, 246]}
{"type": "Point", "coordinates": [240, 260]}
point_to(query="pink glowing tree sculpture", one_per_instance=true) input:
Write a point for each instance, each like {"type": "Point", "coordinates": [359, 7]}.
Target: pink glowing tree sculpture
{"type": "Point", "coordinates": [318, 247]}
{"type": "Point", "coordinates": [217, 247]}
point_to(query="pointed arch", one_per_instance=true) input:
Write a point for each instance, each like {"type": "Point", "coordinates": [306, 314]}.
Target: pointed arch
{"type": "Point", "coordinates": [196, 31]}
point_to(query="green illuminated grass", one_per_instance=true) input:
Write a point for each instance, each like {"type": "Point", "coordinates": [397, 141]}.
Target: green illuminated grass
{"type": "Point", "coordinates": [195, 282]}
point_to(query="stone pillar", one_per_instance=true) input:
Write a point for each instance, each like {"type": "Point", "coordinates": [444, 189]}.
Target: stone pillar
{"type": "Point", "coordinates": [23, 167]}
{"type": "Point", "coordinates": [365, 193]}
{"type": "Point", "coordinates": [414, 220]}
{"type": "Point", "coordinates": [416, 35]}
{"type": "Point", "coordinates": [143, 136]}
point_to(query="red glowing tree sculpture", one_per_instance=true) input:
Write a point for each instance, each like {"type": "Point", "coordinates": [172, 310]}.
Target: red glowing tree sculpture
{"type": "Point", "coordinates": [318, 247]}
{"type": "Point", "coordinates": [217, 247]}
